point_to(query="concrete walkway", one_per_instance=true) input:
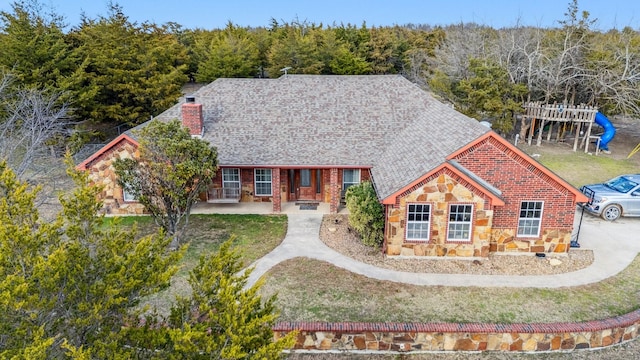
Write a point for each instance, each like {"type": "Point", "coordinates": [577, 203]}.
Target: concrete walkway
{"type": "Point", "coordinates": [614, 246]}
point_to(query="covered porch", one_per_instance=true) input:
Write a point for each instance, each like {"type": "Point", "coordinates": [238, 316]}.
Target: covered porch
{"type": "Point", "coordinates": [283, 189]}
{"type": "Point", "coordinates": [262, 208]}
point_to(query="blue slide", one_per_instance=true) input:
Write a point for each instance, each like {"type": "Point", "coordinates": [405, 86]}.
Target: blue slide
{"type": "Point", "coordinates": [609, 130]}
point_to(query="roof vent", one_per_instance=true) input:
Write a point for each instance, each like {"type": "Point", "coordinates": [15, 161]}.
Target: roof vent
{"type": "Point", "coordinates": [191, 99]}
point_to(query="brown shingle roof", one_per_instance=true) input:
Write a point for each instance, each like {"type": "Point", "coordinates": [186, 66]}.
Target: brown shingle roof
{"type": "Point", "coordinates": [384, 122]}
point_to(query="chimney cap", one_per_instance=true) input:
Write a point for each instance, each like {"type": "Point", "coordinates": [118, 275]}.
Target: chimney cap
{"type": "Point", "coordinates": [190, 99]}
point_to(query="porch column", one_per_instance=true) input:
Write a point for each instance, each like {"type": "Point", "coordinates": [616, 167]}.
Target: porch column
{"type": "Point", "coordinates": [334, 191]}
{"type": "Point", "coordinates": [275, 190]}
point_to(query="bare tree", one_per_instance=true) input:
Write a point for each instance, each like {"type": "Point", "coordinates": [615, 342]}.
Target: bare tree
{"type": "Point", "coordinates": [564, 67]}
{"type": "Point", "coordinates": [520, 51]}
{"type": "Point", "coordinates": [32, 122]}
{"type": "Point", "coordinates": [463, 43]}
{"type": "Point", "coordinates": [614, 78]}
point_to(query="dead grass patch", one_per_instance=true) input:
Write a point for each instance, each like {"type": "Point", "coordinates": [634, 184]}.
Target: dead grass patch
{"type": "Point", "coordinates": [312, 290]}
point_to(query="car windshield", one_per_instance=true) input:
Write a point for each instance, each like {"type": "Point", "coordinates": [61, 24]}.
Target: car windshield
{"type": "Point", "coordinates": [621, 184]}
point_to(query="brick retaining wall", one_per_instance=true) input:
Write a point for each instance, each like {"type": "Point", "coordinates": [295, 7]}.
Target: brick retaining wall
{"type": "Point", "coordinates": [407, 337]}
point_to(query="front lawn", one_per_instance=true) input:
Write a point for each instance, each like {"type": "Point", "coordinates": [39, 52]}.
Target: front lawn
{"type": "Point", "coordinates": [311, 290]}
{"type": "Point", "coordinates": [254, 237]}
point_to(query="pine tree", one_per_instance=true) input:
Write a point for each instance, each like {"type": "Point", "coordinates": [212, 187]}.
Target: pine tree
{"type": "Point", "coordinates": [127, 72]}
{"type": "Point", "coordinates": [33, 46]}
{"type": "Point", "coordinates": [68, 286]}
{"type": "Point", "coordinates": [231, 53]}
{"type": "Point", "coordinates": [222, 319]}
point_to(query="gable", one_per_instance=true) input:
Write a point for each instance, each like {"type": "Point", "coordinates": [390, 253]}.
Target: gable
{"type": "Point", "coordinates": [497, 161]}
{"type": "Point", "coordinates": [447, 170]}
{"type": "Point", "coordinates": [118, 142]}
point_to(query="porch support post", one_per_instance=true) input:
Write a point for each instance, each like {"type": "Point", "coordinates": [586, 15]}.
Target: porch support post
{"type": "Point", "coordinates": [334, 191]}
{"type": "Point", "coordinates": [275, 190]}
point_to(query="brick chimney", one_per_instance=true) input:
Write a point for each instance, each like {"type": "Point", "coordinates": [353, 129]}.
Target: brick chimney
{"type": "Point", "coordinates": [192, 116]}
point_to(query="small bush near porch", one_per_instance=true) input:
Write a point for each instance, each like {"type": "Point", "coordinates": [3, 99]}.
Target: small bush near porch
{"type": "Point", "coordinates": [366, 214]}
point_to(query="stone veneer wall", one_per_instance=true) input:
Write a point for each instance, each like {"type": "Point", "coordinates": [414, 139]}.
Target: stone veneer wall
{"type": "Point", "coordinates": [101, 172]}
{"type": "Point", "coordinates": [413, 337]}
{"type": "Point", "coordinates": [551, 241]}
{"type": "Point", "coordinates": [440, 192]}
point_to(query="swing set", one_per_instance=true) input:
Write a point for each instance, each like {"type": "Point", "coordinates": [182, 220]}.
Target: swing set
{"type": "Point", "coordinates": [566, 119]}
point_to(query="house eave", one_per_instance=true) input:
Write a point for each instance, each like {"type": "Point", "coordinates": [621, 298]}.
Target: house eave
{"type": "Point", "coordinates": [495, 200]}
{"type": "Point", "coordinates": [286, 166]}
{"type": "Point", "coordinates": [579, 196]}
{"type": "Point", "coordinates": [124, 137]}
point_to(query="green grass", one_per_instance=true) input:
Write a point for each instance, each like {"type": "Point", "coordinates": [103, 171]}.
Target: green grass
{"type": "Point", "coordinates": [254, 236]}
{"type": "Point", "coordinates": [579, 168]}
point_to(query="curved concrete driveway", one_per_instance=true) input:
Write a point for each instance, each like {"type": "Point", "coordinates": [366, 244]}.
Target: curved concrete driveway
{"type": "Point", "coordinates": [614, 245]}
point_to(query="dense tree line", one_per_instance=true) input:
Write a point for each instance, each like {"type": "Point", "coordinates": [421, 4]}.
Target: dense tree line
{"type": "Point", "coordinates": [114, 71]}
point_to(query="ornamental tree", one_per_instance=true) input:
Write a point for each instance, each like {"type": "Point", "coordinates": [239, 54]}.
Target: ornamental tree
{"type": "Point", "coordinates": [168, 175]}
{"type": "Point", "coordinates": [366, 214]}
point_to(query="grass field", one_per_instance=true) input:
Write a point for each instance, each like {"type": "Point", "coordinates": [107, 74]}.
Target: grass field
{"type": "Point", "coordinates": [254, 236]}
{"type": "Point", "coordinates": [579, 168]}
{"type": "Point", "coordinates": [310, 290]}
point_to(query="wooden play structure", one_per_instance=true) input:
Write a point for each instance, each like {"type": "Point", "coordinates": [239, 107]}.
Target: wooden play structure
{"type": "Point", "coordinates": [561, 118]}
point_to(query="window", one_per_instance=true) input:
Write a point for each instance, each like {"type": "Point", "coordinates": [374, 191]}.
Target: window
{"type": "Point", "coordinates": [530, 217]}
{"type": "Point", "coordinates": [418, 221]}
{"type": "Point", "coordinates": [350, 177]}
{"type": "Point", "coordinates": [230, 183]}
{"type": "Point", "coordinates": [129, 189]}
{"type": "Point", "coordinates": [262, 182]}
{"type": "Point", "coordinates": [305, 177]}
{"type": "Point", "coordinates": [292, 181]}
{"type": "Point", "coordinates": [128, 196]}
{"type": "Point", "coordinates": [459, 222]}
{"type": "Point", "coordinates": [318, 177]}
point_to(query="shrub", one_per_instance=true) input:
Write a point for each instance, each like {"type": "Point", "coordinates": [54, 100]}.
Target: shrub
{"type": "Point", "coordinates": [366, 214]}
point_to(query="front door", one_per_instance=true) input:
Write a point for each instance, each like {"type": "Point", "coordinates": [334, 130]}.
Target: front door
{"type": "Point", "coordinates": [305, 189]}
{"type": "Point", "coordinates": [304, 184]}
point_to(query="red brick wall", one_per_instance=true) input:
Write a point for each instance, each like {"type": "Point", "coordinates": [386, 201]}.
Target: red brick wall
{"type": "Point", "coordinates": [275, 190]}
{"type": "Point", "coordinates": [334, 190]}
{"type": "Point", "coordinates": [365, 175]}
{"type": "Point", "coordinates": [519, 181]}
